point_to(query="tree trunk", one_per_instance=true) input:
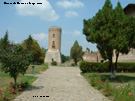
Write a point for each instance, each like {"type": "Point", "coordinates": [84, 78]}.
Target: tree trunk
{"type": "Point", "coordinates": [15, 83]}
{"type": "Point", "coordinates": [111, 66]}
{"type": "Point", "coordinates": [114, 72]}
{"type": "Point", "coordinates": [76, 63]}
{"type": "Point", "coordinates": [117, 55]}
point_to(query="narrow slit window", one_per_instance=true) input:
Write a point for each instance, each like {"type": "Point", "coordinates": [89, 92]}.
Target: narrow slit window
{"type": "Point", "coordinates": [53, 45]}
{"type": "Point", "coordinates": [53, 35]}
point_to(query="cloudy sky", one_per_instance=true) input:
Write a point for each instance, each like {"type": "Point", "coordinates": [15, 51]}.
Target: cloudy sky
{"type": "Point", "coordinates": [35, 20]}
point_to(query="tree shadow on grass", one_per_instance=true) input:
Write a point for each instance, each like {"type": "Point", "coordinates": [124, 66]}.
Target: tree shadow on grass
{"type": "Point", "coordinates": [28, 87]}
{"type": "Point", "coordinates": [118, 79]}
{"type": "Point", "coordinates": [33, 88]}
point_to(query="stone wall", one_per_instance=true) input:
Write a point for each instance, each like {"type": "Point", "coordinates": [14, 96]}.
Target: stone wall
{"type": "Point", "coordinates": [92, 57]}
{"type": "Point", "coordinates": [96, 57]}
{"type": "Point", "coordinates": [53, 56]}
{"type": "Point", "coordinates": [130, 57]}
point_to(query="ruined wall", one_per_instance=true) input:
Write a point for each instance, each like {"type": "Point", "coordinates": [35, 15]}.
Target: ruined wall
{"type": "Point", "coordinates": [92, 57]}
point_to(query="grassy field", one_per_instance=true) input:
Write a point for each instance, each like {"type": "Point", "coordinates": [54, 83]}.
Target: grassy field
{"type": "Point", "coordinates": [5, 79]}
{"type": "Point", "coordinates": [121, 80]}
{"type": "Point", "coordinates": [37, 68]}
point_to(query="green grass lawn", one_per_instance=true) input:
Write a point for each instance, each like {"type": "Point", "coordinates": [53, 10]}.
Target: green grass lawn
{"type": "Point", "coordinates": [23, 80]}
{"type": "Point", "coordinates": [5, 79]}
{"type": "Point", "coordinates": [37, 68]}
{"type": "Point", "coordinates": [121, 80]}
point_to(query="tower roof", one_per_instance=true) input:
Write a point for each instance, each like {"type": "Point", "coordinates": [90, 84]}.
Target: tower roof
{"type": "Point", "coordinates": [131, 5]}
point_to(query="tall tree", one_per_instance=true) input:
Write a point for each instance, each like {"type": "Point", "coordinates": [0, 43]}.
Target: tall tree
{"type": "Point", "coordinates": [110, 29]}
{"type": "Point", "coordinates": [4, 43]}
{"type": "Point", "coordinates": [15, 60]}
{"type": "Point", "coordinates": [76, 52]}
{"type": "Point", "coordinates": [124, 32]}
{"type": "Point", "coordinates": [121, 39]}
{"type": "Point", "coordinates": [100, 30]}
{"type": "Point", "coordinates": [34, 48]}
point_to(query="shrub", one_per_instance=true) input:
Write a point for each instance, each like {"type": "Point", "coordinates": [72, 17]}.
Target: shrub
{"type": "Point", "coordinates": [73, 64]}
{"type": "Point", "coordinates": [103, 67]}
{"type": "Point", "coordinates": [54, 63]}
{"type": "Point", "coordinates": [107, 88]}
{"type": "Point", "coordinates": [94, 79]}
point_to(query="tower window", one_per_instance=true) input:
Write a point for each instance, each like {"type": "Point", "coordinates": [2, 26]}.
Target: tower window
{"type": "Point", "coordinates": [53, 35]}
{"type": "Point", "coordinates": [53, 45]}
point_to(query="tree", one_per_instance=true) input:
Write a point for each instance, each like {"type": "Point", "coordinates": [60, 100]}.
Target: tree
{"type": "Point", "coordinates": [121, 39]}
{"type": "Point", "coordinates": [99, 30]}
{"type": "Point", "coordinates": [124, 32]}
{"type": "Point", "coordinates": [4, 43]}
{"type": "Point", "coordinates": [15, 60]}
{"type": "Point", "coordinates": [34, 48]}
{"type": "Point", "coordinates": [64, 58]}
{"type": "Point", "coordinates": [43, 51]}
{"type": "Point", "coordinates": [111, 30]}
{"type": "Point", "coordinates": [88, 49]}
{"type": "Point", "coordinates": [76, 52]}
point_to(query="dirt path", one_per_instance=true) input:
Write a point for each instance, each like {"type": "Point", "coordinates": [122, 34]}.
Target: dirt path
{"type": "Point", "coordinates": [61, 84]}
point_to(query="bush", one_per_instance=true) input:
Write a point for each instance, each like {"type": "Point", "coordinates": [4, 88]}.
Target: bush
{"type": "Point", "coordinates": [73, 64]}
{"type": "Point", "coordinates": [94, 79]}
{"type": "Point", "coordinates": [54, 63]}
{"type": "Point", "coordinates": [103, 67]}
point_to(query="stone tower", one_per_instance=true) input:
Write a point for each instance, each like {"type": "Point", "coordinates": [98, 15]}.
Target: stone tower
{"type": "Point", "coordinates": [54, 46]}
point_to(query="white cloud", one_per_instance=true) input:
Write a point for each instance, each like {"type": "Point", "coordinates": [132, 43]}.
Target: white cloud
{"type": "Point", "coordinates": [44, 10]}
{"type": "Point", "coordinates": [40, 36]}
{"type": "Point", "coordinates": [70, 14]}
{"type": "Point", "coordinates": [77, 33]}
{"type": "Point", "coordinates": [70, 4]}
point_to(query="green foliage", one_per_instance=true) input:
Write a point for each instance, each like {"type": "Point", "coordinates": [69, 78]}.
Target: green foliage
{"type": "Point", "coordinates": [110, 29]}
{"type": "Point", "coordinates": [4, 43]}
{"type": "Point", "coordinates": [34, 48]}
{"type": "Point", "coordinates": [88, 49]}
{"type": "Point", "coordinates": [94, 78]}
{"type": "Point", "coordinates": [73, 64]}
{"type": "Point", "coordinates": [119, 93]}
{"type": "Point", "coordinates": [54, 63]}
{"type": "Point", "coordinates": [64, 58]}
{"type": "Point", "coordinates": [123, 93]}
{"type": "Point", "coordinates": [76, 52]}
{"type": "Point", "coordinates": [103, 67]}
{"type": "Point", "coordinates": [15, 60]}
{"type": "Point", "coordinates": [99, 30]}
{"type": "Point", "coordinates": [107, 88]}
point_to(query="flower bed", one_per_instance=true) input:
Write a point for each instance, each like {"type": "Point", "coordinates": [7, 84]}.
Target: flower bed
{"type": "Point", "coordinates": [115, 93]}
{"type": "Point", "coordinates": [9, 91]}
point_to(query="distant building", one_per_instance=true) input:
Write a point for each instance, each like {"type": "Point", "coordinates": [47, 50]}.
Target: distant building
{"type": "Point", "coordinates": [92, 57]}
{"type": "Point", "coordinates": [54, 46]}
{"type": "Point", "coordinates": [130, 10]}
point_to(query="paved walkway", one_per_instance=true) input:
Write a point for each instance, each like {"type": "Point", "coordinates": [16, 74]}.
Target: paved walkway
{"type": "Point", "coordinates": [61, 84]}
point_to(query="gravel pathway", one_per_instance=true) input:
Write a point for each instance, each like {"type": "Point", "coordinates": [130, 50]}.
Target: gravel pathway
{"type": "Point", "coordinates": [61, 84]}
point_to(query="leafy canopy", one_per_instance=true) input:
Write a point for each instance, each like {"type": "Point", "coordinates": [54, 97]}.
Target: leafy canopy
{"type": "Point", "coordinates": [76, 52]}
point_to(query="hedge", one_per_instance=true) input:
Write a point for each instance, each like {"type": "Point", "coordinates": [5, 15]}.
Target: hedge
{"type": "Point", "coordinates": [54, 63]}
{"type": "Point", "coordinates": [104, 67]}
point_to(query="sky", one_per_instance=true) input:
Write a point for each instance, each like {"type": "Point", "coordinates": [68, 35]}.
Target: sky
{"type": "Point", "coordinates": [28, 19]}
